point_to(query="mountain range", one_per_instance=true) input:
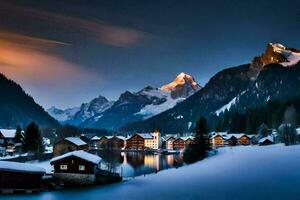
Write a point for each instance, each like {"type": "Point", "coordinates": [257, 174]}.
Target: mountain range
{"type": "Point", "coordinates": [173, 107]}
{"type": "Point", "coordinates": [131, 106]}
{"type": "Point", "coordinates": [274, 75]}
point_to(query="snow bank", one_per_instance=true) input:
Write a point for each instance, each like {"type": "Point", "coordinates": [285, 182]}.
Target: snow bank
{"type": "Point", "coordinates": [243, 172]}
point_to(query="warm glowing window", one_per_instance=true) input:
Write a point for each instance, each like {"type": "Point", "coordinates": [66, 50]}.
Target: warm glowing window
{"type": "Point", "coordinates": [63, 167]}
{"type": "Point", "coordinates": [81, 167]}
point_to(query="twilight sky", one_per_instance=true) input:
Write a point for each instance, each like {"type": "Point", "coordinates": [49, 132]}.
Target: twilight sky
{"type": "Point", "coordinates": [66, 52]}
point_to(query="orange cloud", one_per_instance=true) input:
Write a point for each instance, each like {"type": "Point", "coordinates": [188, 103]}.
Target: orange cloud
{"type": "Point", "coordinates": [101, 31]}
{"type": "Point", "coordinates": [31, 61]}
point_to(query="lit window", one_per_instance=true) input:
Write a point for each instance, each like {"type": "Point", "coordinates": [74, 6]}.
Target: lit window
{"type": "Point", "coordinates": [81, 167]}
{"type": "Point", "coordinates": [63, 167]}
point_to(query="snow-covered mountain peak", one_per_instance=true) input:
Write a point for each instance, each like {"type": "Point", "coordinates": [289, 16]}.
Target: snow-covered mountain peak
{"type": "Point", "coordinates": [180, 80]}
{"type": "Point", "coordinates": [184, 85]}
{"type": "Point", "coordinates": [277, 53]}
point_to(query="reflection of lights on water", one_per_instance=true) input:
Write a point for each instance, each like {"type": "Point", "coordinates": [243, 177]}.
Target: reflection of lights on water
{"type": "Point", "coordinates": [123, 154]}
{"type": "Point", "coordinates": [152, 161]}
{"type": "Point", "coordinates": [170, 160]}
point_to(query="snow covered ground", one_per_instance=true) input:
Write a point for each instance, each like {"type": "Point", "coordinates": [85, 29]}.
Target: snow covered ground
{"type": "Point", "coordinates": [244, 172]}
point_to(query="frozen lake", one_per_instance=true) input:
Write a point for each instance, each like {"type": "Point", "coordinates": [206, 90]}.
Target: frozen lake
{"type": "Point", "coordinates": [270, 172]}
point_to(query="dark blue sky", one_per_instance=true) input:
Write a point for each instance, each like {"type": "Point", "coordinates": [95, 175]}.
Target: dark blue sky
{"type": "Point", "coordinates": [66, 52]}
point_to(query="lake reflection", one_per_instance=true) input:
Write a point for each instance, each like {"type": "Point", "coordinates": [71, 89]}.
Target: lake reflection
{"type": "Point", "coordinates": [131, 164]}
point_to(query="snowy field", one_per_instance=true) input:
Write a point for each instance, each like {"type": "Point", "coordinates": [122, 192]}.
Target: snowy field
{"type": "Point", "coordinates": [250, 172]}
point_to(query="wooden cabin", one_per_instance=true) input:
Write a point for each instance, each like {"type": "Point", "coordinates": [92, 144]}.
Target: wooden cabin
{"type": "Point", "coordinates": [217, 140]}
{"type": "Point", "coordinates": [266, 141]}
{"type": "Point", "coordinates": [76, 167]}
{"type": "Point", "coordinates": [178, 144]}
{"type": "Point", "coordinates": [69, 144]}
{"type": "Point", "coordinates": [169, 143]}
{"type": "Point", "coordinates": [104, 141]}
{"type": "Point", "coordinates": [116, 142]}
{"type": "Point", "coordinates": [95, 142]}
{"type": "Point", "coordinates": [10, 137]}
{"type": "Point", "coordinates": [232, 140]}
{"type": "Point", "coordinates": [244, 140]}
{"type": "Point", "coordinates": [135, 142]}
{"type": "Point", "coordinates": [15, 177]}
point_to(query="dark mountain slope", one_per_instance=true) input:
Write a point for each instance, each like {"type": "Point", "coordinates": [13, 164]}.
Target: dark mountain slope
{"type": "Point", "coordinates": [18, 108]}
{"type": "Point", "coordinates": [220, 89]}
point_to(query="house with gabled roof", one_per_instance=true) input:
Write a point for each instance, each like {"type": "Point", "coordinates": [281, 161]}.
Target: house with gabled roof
{"type": "Point", "coordinates": [140, 141]}
{"type": "Point", "coordinates": [76, 167]}
{"type": "Point", "coordinates": [69, 144]}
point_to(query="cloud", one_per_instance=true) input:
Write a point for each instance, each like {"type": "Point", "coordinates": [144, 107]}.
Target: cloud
{"type": "Point", "coordinates": [101, 31]}
{"type": "Point", "coordinates": [32, 61]}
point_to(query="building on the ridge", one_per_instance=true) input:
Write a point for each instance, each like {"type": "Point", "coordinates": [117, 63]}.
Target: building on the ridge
{"type": "Point", "coordinates": [69, 144]}
{"type": "Point", "coordinates": [16, 177]}
{"type": "Point", "coordinates": [76, 167]}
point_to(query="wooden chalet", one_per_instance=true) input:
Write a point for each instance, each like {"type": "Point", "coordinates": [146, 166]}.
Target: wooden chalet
{"type": "Point", "coordinates": [217, 140]}
{"type": "Point", "coordinates": [116, 142]}
{"type": "Point", "coordinates": [16, 177]}
{"type": "Point", "coordinates": [95, 142]}
{"type": "Point", "coordinates": [135, 142]}
{"type": "Point", "coordinates": [76, 167]}
{"type": "Point", "coordinates": [69, 144]}
{"type": "Point", "coordinates": [10, 137]}
{"type": "Point", "coordinates": [169, 143]}
{"type": "Point", "coordinates": [266, 141]}
{"type": "Point", "coordinates": [244, 139]}
{"type": "Point", "coordinates": [104, 141]}
{"type": "Point", "coordinates": [178, 144]}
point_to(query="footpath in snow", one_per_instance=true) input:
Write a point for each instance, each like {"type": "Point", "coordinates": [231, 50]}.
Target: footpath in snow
{"type": "Point", "coordinates": [248, 172]}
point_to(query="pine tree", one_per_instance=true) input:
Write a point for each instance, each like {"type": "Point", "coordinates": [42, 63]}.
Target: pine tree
{"type": "Point", "coordinates": [33, 141]}
{"type": "Point", "coordinates": [200, 148]}
{"type": "Point", "coordinates": [19, 136]}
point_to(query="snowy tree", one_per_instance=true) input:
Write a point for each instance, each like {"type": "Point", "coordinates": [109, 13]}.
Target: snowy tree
{"type": "Point", "coordinates": [287, 134]}
{"type": "Point", "coordinates": [263, 131]}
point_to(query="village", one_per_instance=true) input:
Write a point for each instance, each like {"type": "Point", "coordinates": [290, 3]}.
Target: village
{"type": "Point", "coordinates": [75, 162]}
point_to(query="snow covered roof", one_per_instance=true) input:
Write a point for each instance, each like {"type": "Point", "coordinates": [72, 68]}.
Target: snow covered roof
{"type": "Point", "coordinates": [236, 135]}
{"type": "Point", "coordinates": [95, 138]}
{"type": "Point", "coordinates": [146, 135]}
{"type": "Point", "coordinates": [187, 137]}
{"type": "Point", "coordinates": [79, 154]}
{"type": "Point", "coordinates": [20, 167]}
{"type": "Point", "coordinates": [76, 140]}
{"type": "Point", "coordinates": [262, 140]}
{"type": "Point", "coordinates": [121, 137]}
{"type": "Point", "coordinates": [8, 133]}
